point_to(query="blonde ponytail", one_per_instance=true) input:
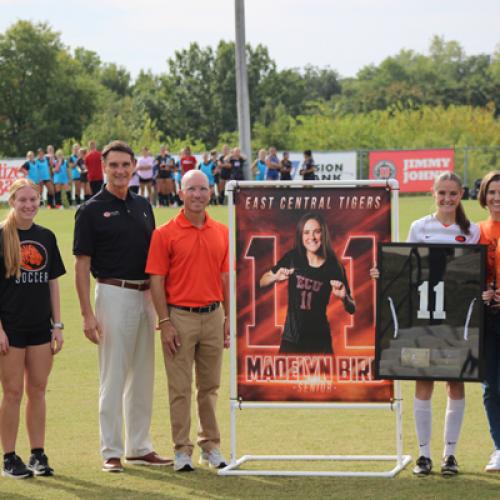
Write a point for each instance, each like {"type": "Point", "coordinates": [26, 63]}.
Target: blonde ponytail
{"type": "Point", "coordinates": [10, 236]}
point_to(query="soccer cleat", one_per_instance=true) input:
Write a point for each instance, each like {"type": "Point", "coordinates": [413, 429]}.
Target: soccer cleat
{"type": "Point", "coordinates": [15, 468]}
{"type": "Point", "coordinates": [213, 458]}
{"type": "Point", "coordinates": [449, 466]}
{"type": "Point", "coordinates": [183, 462]}
{"type": "Point", "coordinates": [494, 463]}
{"type": "Point", "coordinates": [423, 466]}
{"type": "Point", "coordinates": [39, 465]}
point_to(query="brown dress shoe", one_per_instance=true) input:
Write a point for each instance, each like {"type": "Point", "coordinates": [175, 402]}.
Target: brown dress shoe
{"type": "Point", "coordinates": [112, 465]}
{"type": "Point", "coordinates": [151, 458]}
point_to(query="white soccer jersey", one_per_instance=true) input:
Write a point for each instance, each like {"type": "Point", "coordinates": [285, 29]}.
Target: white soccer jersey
{"type": "Point", "coordinates": [429, 229]}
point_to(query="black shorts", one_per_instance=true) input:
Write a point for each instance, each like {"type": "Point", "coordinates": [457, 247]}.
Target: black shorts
{"type": "Point", "coordinates": [25, 339]}
{"type": "Point", "coordinates": [162, 174]}
{"type": "Point", "coordinates": [84, 177]}
{"type": "Point", "coordinates": [225, 174]}
{"type": "Point", "coordinates": [145, 181]}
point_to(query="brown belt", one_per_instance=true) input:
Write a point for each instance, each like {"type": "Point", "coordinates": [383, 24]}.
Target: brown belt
{"type": "Point", "coordinates": [124, 284]}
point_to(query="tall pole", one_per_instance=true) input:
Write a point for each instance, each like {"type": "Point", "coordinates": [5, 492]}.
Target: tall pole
{"type": "Point", "coordinates": [242, 101]}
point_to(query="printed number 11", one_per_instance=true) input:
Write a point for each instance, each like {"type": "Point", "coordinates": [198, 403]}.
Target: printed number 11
{"type": "Point", "coordinates": [423, 310]}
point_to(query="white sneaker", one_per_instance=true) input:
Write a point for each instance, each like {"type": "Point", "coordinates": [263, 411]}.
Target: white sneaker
{"type": "Point", "coordinates": [182, 462]}
{"type": "Point", "coordinates": [213, 458]}
{"type": "Point", "coordinates": [494, 463]}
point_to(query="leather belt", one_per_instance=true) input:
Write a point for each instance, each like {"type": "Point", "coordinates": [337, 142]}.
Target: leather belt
{"type": "Point", "coordinates": [124, 284]}
{"type": "Point", "coordinates": [203, 309]}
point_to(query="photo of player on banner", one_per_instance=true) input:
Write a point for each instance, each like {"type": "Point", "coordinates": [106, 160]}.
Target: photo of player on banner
{"type": "Point", "coordinates": [305, 302]}
{"type": "Point", "coordinates": [430, 312]}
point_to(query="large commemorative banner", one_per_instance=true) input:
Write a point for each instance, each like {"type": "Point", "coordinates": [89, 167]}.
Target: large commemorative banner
{"type": "Point", "coordinates": [430, 312]}
{"type": "Point", "coordinates": [415, 170]}
{"type": "Point", "coordinates": [9, 172]}
{"type": "Point", "coordinates": [304, 299]}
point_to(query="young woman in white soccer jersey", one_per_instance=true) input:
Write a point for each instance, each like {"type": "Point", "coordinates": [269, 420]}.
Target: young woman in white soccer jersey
{"type": "Point", "coordinates": [448, 224]}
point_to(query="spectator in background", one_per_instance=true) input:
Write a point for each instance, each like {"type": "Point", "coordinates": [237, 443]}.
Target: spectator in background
{"type": "Point", "coordinates": [51, 158]}
{"type": "Point", "coordinates": [84, 175]}
{"type": "Point", "coordinates": [44, 177]}
{"type": "Point", "coordinates": [237, 160]}
{"type": "Point", "coordinates": [61, 178]}
{"type": "Point", "coordinates": [75, 173]}
{"type": "Point", "coordinates": [187, 160]}
{"type": "Point", "coordinates": [93, 163]}
{"type": "Point", "coordinates": [224, 172]}
{"type": "Point", "coordinates": [144, 169]}
{"type": "Point", "coordinates": [29, 168]}
{"type": "Point", "coordinates": [162, 175]}
{"type": "Point", "coordinates": [259, 167]}
{"type": "Point", "coordinates": [308, 168]}
{"type": "Point", "coordinates": [216, 171]}
{"type": "Point", "coordinates": [286, 167]}
{"type": "Point", "coordinates": [207, 166]}
{"type": "Point", "coordinates": [273, 165]}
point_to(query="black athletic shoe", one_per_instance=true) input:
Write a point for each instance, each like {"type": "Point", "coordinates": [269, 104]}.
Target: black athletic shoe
{"type": "Point", "coordinates": [14, 467]}
{"type": "Point", "coordinates": [39, 464]}
{"type": "Point", "coordinates": [449, 467]}
{"type": "Point", "coordinates": [423, 467]}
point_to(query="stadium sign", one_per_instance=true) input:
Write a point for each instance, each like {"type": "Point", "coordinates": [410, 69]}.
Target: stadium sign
{"type": "Point", "coordinates": [415, 170]}
{"type": "Point", "coordinates": [9, 172]}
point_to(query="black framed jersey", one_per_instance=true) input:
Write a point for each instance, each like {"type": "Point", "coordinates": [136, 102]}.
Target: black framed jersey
{"type": "Point", "coordinates": [430, 316]}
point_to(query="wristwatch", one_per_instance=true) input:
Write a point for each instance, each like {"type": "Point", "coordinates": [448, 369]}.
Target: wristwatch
{"type": "Point", "coordinates": [58, 325]}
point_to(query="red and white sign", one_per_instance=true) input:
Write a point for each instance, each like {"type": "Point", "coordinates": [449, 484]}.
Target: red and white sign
{"type": "Point", "coordinates": [415, 169]}
{"type": "Point", "coordinates": [9, 172]}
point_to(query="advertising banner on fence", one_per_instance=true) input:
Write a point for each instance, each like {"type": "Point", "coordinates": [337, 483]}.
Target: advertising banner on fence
{"type": "Point", "coordinates": [9, 172]}
{"type": "Point", "coordinates": [330, 165]}
{"type": "Point", "coordinates": [305, 301]}
{"type": "Point", "coordinates": [414, 169]}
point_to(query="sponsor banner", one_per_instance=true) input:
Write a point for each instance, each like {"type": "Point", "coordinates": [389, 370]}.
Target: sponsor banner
{"type": "Point", "coordinates": [331, 166]}
{"type": "Point", "coordinates": [9, 172]}
{"type": "Point", "coordinates": [298, 254]}
{"type": "Point", "coordinates": [430, 313]}
{"type": "Point", "coordinates": [415, 170]}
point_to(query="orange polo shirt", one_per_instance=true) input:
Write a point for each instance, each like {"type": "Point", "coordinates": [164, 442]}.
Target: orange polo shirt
{"type": "Point", "coordinates": [490, 234]}
{"type": "Point", "coordinates": [191, 259]}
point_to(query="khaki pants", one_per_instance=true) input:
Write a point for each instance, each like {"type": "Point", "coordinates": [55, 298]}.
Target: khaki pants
{"type": "Point", "coordinates": [126, 365]}
{"type": "Point", "coordinates": [202, 342]}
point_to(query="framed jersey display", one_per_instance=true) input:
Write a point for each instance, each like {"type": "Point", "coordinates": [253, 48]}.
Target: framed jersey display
{"type": "Point", "coordinates": [429, 311]}
{"type": "Point", "coordinates": [305, 306]}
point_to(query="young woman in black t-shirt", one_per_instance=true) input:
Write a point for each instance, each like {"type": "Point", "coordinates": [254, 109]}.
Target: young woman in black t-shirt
{"type": "Point", "coordinates": [313, 273]}
{"type": "Point", "coordinates": [30, 327]}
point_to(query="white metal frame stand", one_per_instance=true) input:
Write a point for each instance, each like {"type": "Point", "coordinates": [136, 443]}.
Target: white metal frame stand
{"type": "Point", "coordinates": [233, 469]}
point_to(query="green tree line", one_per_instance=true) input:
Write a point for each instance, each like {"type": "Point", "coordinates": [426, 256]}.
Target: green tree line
{"type": "Point", "coordinates": [52, 94]}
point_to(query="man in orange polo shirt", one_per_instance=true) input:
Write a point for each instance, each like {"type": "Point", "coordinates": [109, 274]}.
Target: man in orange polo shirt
{"type": "Point", "coordinates": [189, 266]}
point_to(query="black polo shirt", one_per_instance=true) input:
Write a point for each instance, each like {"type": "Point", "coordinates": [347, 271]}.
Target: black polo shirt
{"type": "Point", "coordinates": [115, 234]}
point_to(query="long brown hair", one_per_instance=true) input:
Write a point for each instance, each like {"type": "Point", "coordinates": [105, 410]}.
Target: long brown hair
{"type": "Point", "coordinates": [11, 243]}
{"type": "Point", "coordinates": [460, 218]}
{"type": "Point", "coordinates": [325, 250]}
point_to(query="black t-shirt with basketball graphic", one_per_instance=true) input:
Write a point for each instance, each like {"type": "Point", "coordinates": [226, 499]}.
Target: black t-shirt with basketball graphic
{"type": "Point", "coordinates": [306, 326]}
{"type": "Point", "coordinates": [25, 302]}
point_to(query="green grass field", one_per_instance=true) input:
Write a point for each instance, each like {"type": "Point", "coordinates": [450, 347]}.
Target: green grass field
{"type": "Point", "coordinates": [72, 427]}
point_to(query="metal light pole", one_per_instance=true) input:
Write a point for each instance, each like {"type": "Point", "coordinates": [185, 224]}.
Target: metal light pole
{"type": "Point", "coordinates": [242, 101]}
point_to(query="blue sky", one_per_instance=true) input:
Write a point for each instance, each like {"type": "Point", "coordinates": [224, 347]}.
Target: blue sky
{"type": "Point", "coordinates": [343, 34]}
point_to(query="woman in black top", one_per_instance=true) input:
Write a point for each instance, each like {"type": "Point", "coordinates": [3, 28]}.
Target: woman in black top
{"type": "Point", "coordinates": [308, 167]}
{"type": "Point", "coordinates": [313, 273]}
{"type": "Point", "coordinates": [30, 325]}
{"type": "Point", "coordinates": [286, 167]}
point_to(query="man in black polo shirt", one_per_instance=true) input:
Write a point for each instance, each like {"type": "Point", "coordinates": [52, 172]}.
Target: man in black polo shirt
{"type": "Point", "coordinates": [112, 234]}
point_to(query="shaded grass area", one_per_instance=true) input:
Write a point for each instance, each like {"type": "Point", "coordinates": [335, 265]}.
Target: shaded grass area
{"type": "Point", "coordinates": [73, 440]}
